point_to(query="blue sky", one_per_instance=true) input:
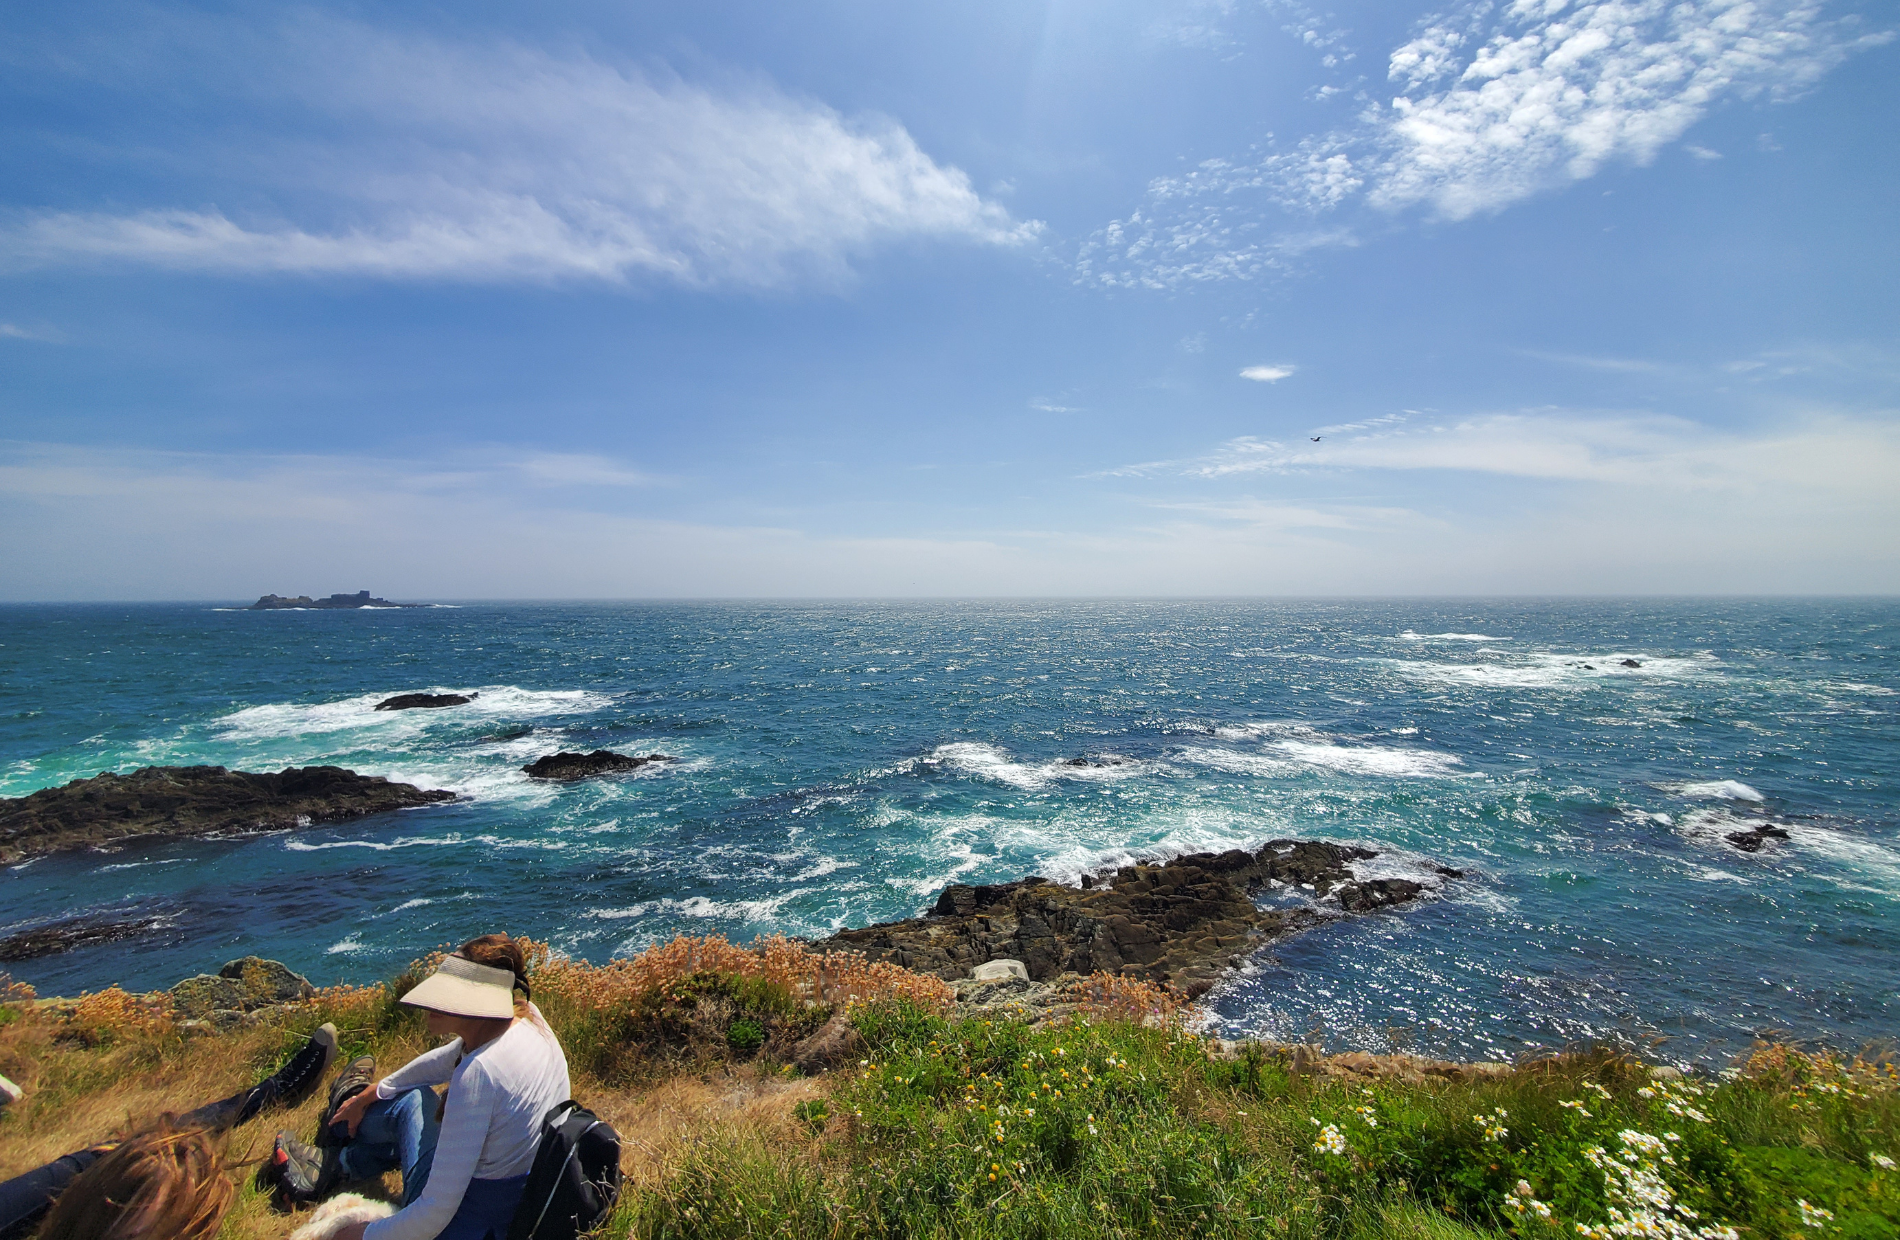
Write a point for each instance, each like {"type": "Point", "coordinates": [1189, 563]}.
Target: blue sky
{"type": "Point", "coordinates": [603, 300]}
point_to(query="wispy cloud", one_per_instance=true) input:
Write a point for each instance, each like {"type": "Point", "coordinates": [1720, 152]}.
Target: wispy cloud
{"type": "Point", "coordinates": [1493, 106]}
{"type": "Point", "coordinates": [1267, 374]}
{"type": "Point", "coordinates": [13, 331]}
{"type": "Point", "coordinates": [1823, 455]}
{"type": "Point", "coordinates": [422, 159]}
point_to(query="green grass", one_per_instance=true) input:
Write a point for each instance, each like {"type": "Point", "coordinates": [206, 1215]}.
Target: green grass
{"type": "Point", "coordinates": [1112, 1129]}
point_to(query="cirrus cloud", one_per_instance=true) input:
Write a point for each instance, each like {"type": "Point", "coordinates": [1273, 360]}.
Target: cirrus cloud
{"type": "Point", "coordinates": [420, 159]}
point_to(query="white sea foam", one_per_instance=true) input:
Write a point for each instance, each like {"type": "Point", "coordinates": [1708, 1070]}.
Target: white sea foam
{"type": "Point", "coordinates": [704, 907]}
{"type": "Point", "coordinates": [991, 762]}
{"type": "Point", "coordinates": [291, 720]}
{"type": "Point", "coordinates": [135, 865]}
{"type": "Point", "coordinates": [1371, 759]}
{"type": "Point", "coordinates": [1716, 789]}
{"type": "Point", "coordinates": [1545, 670]}
{"type": "Point", "coordinates": [1410, 636]}
{"type": "Point", "coordinates": [1239, 762]}
{"type": "Point", "coordinates": [345, 946]}
{"type": "Point", "coordinates": [297, 845]}
{"type": "Point", "coordinates": [406, 905]}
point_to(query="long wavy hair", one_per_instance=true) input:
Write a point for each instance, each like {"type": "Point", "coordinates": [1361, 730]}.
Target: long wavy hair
{"type": "Point", "coordinates": [163, 1182]}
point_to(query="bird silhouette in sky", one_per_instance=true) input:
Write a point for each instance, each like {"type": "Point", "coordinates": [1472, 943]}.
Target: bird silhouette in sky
{"type": "Point", "coordinates": [1315, 438]}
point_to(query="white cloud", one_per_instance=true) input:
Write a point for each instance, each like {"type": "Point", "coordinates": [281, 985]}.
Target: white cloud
{"type": "Point", "coordinates": [1701, 152]}
{"type": "Point", "coordinates": [1266, 374]}
{"type": "Point", "coordinates": [1497, 104]}
{"type": "Point", "coordinates": [424, 159]}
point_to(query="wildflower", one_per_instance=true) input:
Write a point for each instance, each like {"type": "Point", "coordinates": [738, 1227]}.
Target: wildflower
{"type": "Point", "coordinates": [1091, 1130]}
{"type": "Point", "coordinates": [1576, 1105]}
{"type": "Point", "coordinates": [1814, 1216]}
{"type": "Point", "coordinates": [1881, 1161]}
{"type": "Point", "coordinates": [1369, 1115]}
{"type": "Point", "coordinates": [1598, 1090]}
{"type": "Point", "coordinates": [1331, 1141]}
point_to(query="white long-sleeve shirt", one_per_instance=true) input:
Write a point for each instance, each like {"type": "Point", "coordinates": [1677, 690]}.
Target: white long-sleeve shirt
{"type": "Point", "coordinates": [492, 1124]}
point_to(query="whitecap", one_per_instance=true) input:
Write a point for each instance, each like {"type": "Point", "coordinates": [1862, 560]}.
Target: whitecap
{"type": "Point", "coordinates": [1410, 636]}
{"type": "Point", "coordinates": [1717, 789]}
{"type": "Point", "coordinates": [296, 845]}
{"type": "Point", "coordinates": [406, 905]}
{"type": "Point", "coordinates": [1371, 759]}
{"type": "Point", "coordinates": [345, 946]}
{"type": "Point", "coordinates": [292, 720]}
{"type": "Point", "coordinates": [704, 907]}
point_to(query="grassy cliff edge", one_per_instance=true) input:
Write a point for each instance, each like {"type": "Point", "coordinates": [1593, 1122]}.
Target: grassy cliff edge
{"type": "Point", "coordinates": [1103, 1115]}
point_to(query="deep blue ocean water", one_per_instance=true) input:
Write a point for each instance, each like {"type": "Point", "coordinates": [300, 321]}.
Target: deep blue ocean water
{"type": "Point", "coordinates": [842, 762]}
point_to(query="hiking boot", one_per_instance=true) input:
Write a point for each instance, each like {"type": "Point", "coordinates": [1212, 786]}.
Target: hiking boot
{"type": "Point", "coordinates": [285, 1087]}
{"type": "Point", "coordinates": [304, 1172]}
{"type": "Point", "coordinates": [353, 1080]}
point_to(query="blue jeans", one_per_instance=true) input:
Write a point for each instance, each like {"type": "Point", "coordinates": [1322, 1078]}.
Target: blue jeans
{"type": "Point", "coordinates": [396, 1135]}
{"type": "Point", "coordinates": [486, 1210]}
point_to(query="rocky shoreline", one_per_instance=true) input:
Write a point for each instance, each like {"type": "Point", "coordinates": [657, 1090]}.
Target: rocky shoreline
{"type": "Point", "coordinates": [1182, 922]}
{"type": "Point", "coordinates": [180, 801]}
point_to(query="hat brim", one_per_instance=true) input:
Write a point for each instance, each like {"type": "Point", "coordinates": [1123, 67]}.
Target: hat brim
{"type": "Point", "coordinates": [441, 992]}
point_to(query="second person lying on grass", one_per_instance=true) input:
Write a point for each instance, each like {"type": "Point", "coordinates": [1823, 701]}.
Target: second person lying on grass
{"type": "Point", "coordinates": [464, 1163]}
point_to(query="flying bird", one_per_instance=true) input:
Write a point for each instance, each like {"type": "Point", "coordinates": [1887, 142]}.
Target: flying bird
{"type": "Point", "coordinates": [1315, 438]}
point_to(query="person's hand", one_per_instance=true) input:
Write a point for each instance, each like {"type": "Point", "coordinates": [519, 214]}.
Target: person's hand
{"type": "Point", "coordinates": [352, 1113]}
{"type": "Point", "coordinates": [353, 1232]}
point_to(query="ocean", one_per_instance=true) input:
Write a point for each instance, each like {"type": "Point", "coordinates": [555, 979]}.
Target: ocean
{"type": "Point", "coordinates": [839, 763]}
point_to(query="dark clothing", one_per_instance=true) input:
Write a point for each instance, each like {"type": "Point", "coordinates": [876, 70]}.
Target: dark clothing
{"type": "Point", "coordinates": [25, 1199]}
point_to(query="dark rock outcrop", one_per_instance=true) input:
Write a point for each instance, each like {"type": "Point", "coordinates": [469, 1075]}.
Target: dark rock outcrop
{"type": "Point", "coordinates": [74, 932]}
{"type": "Point", "coordinates": [1631, 663]}
{"type": "Point", "coordinates": [1180, 923]}
{"type": "Point", "coordinates": [336, 602]}
{"type": "Point", "coordinates": [566, 766]}
{"type": "Point", "coordinates": [1753, 839]}
{"type": "Point", "coordinates": [425, 701]}
{"type": "Point", "coordinates": [191, 801]}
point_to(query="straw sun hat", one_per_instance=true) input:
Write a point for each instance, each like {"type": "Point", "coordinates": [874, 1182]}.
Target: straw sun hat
{"type": "Point", "coordinates": [461, 987]}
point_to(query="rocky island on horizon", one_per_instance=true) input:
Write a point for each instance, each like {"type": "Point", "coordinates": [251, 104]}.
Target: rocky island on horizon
{"type": "Point", "coordinates": [336, 602]}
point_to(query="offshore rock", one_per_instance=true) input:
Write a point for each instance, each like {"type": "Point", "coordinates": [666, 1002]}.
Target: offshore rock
{"type": "Point", "coordinates": [425, 701]}
{"type": "Point", "coordinates": [193, 801]}
{"type": "Point", "coordinates": [336, 602]}
{"type": "Point", "coordinates": [567, 766]}
{"type": "Point", "coordinates": [1181, 923]}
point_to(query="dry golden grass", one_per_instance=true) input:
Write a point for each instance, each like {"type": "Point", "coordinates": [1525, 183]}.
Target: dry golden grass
{"type": "Point", "coordinates": [111, 1062]}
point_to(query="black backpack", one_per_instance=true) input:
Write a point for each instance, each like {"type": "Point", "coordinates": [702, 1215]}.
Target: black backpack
{"type": "Point", "coordinates": [575, 1179]}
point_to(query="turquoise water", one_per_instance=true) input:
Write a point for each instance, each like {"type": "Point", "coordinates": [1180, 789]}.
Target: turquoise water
{"type": "Point", "coordinates": [841, 763]}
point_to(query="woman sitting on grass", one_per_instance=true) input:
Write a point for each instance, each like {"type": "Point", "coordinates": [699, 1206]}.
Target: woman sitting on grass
{"type": "Point", "coordinates": [464, 1166]}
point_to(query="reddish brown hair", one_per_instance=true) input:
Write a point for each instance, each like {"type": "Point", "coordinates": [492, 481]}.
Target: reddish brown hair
{"type": "Point", "coordinates": [162, 1184]}
{"type": "Point", "coordinates": [498, 951]}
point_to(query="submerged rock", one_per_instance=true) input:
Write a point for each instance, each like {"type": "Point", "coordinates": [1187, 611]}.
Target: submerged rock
{"type": "Point", "coordinates": [193, 801]}
{"type": "Point", "coordinates": [1181, 923]}
{"type": "Point", "coordinates": [565, 766]}
{"type": "Point", "coordinates": [425, 701]}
